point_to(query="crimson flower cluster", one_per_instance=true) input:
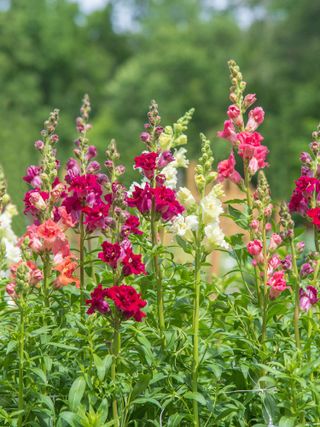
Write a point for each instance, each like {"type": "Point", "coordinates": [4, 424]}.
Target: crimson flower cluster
{"type": "Point", "coordinates": [165, 202]}
{"type": "Point", "coordinates": [126, 299]}
{"type": "Point", "coordinates": [121, 254]}
{"type": "Point", "coordinates": [154, 194]}
{"type": "Point", "coordinates": [307, 189]}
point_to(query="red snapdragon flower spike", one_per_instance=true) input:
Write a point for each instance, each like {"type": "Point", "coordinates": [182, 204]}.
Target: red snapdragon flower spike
{"type": "Point", "coordinates": [302, 194]}
{"type": "Point", "coordinates": [131, 226]}
{"type": "Point", "coordinates": [128, 301]}
{"type": "Point", "coordinates": [166, 203]}
{"type": "Point", "coordinates": [314, 214]}
{"type": "Point", "coordinates": [97, 301]}
{"type": "Point", "coordinates": [96, 216]}
{"type": "Point", "coordinates": [308, 297]}
{"type": "Point", "coordinates": [111, 254]}
{"type": "Point", "coordinates": [132, 264]}
{"type": "Point", "coordinates": [86, 188]}
{"type": "Point", "coordinates": [141, 198]}
{"type": "Point", "coordinates": [226, 170]}
{"type": "Point", "coordinates": [147, 162]}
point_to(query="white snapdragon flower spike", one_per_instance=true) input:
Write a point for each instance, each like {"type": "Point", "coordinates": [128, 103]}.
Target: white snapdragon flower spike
{"type": "Point", "coordinates": [186, 198]}
{"type": "Point", "coordinates": [211, 208]}
{"type": "Point", "coordinates": [181, 160]}
{"type": "Point", "coordinates": [170, 172]}
{"type": "Point", "coordinates": [184, 226]}
{"type": "Point", "coordinates": [214, 237]}
{"type": "Point", "coordinates": [8, 237]}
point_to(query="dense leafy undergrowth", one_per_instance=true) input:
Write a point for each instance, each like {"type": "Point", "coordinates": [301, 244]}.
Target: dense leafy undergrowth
{"type": "Point", "coordinates": [101, 326]}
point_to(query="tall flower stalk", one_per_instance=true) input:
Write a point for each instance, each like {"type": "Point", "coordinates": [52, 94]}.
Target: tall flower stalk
{"type": "Point", "coordinates": [155, 197]}
{"type": "Point", "coordinates": [198, 232]}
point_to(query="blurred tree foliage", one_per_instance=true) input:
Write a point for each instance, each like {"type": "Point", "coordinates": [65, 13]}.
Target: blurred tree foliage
{"type": "Point", "coordinates": [173, 51]}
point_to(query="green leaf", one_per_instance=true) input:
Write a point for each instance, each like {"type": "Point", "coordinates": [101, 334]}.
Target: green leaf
{"type": "Point", "coordinates": [68, 417]}
{"type": "Point", "coordinates": [287, 422]}
{"type": "Point", "coordinates": [184, 245]}
{"type": "Point", "coordinates": [195, 396]}
{"type": "Point", "coordinates": [102, 365]}
{"type": "Point", "coordinates": [39, 372]}
{"type": "Point", "coordinates": [141, 385]}
{"type": "Point", "coordinates": [76, 393]}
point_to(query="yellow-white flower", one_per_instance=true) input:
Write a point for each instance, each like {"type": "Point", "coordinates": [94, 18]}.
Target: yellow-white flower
{"type": "Point", "coordinates": [185, 226]}
{"type": "Point", "coordinates": [186, 198]}
{"type": "Point", "coordinates": [214, 237]}
{"type": "Point", "coordinates": [181, 160]}
{"type": "Point", "coordinates": [211, 208]}
{"type": "Point", "coordinates": [170, 172]}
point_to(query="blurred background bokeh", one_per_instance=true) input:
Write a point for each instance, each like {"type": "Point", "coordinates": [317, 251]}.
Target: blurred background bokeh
{"type": "Point", "coordinates": [124, 53]}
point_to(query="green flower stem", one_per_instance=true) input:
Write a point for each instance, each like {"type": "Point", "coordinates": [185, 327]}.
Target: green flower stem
{"type": "Point", "coordinates": [46, 275]}
{"type": "Point", "coordinates": [265, 289]}
{"type": "Point", "coordinates": [21, 363]}
{"type": "Point", "coordinates": [115, 353]}
{"type": "Point", "coordinates": [82, 281]}
{"type": "Point", "coordinates": [296, 293]}
{"type": "Point", "coordinates": [196, 310]}
{"type": "Point", "coordinates": [158, 275]}
{"type": "Point", "coordinates": [250, 205]}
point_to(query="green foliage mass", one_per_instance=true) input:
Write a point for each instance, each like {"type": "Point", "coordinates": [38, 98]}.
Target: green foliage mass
{"type": "Point", "coordinates": [173, 51]}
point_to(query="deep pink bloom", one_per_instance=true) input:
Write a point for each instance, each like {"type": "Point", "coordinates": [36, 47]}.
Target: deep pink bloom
{"type": "Point", "coordinates": [147, 162]}
{"type": "Point", "coordinates": [298, 203]}
{"type": "Point", "coordinates": [254, 247]}
{"type": "Point", "coordinates": [277, 283]}
{"type": "Point", "coordinates": [141, 198]}
{"type": "Point", "coordinates": [131, 225]}
{"type": "Point", "coordinates": [165, 158]}
{"type": "Point", "coordinates": [31, 197]}
{"type": "Point", "coordinates": [287, 262]}
{"type": "Point", "coordinates": [111, 254]}
{"type": "Point", "coordinates": [228, 132]}
{"type": "Point", "coordinates": [132, 264]}
{"type": "Point", "coordinates": [250, 148]}
{"type": "Point", "coordinates": [256, 117]}
{"type": "Point", "coordinates": [275, 241]}
{"type": "Point", "coordinates": [91, 152]}
{"type": "Point", "coordinates": [306, 269]}
{"type": "Point", "coordinates": [33, 176]}
{"type": "Point", "coordinates": [166, 203]}
{"type": "Point", "coordinates": [233, 111]}
{"type": "Point", "coordinates": [145, 137]}
{"type": "Point", "coordinates": [273, 263]}
{"type": "Point", "coordinates": [249, 100]}
{"type": "Point", "coordinates": [96, 217]}
{"type": "Point", "coordinates": [97, 301]}
{"type": "Point", "coordinates": [308, 297]}
{"type": "Point", "coordinates": [127, 301]}
{"type": "Point", "coordinates": [226, 170]}
{"type": "Point", "coordinates": [314, 214]}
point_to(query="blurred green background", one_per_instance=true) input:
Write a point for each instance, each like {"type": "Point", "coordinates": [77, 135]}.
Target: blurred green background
{"type": "Point", "coordinates": [126, 52]}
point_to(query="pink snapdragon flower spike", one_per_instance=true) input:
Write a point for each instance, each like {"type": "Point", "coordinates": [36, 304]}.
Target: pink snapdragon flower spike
{"type": "Point", "coordinates": [275, 241]}
{"type": "Point", "coordinates": [229, 132]}
{"type": "Point", "coordinates": [308, 297]}
{"type": "Point", "coordinates": [277, 284]}
{"type": "Point", "coordinates": [226, 170]}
